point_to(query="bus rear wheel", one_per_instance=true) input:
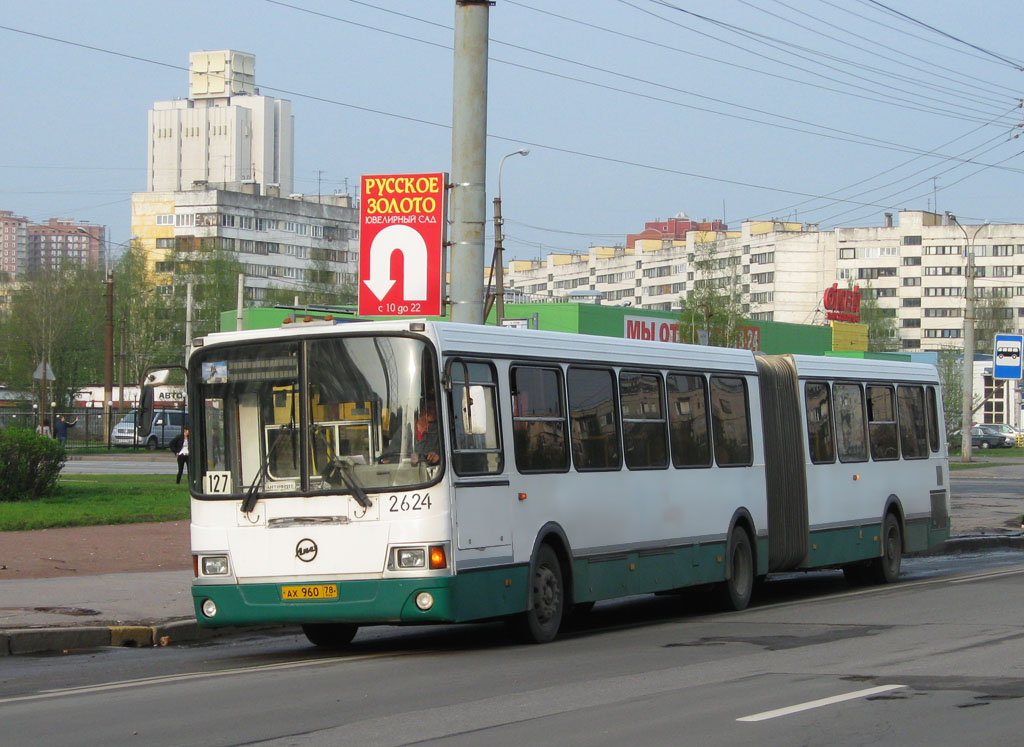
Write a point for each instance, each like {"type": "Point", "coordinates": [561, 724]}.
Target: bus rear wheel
{"type": "Point", "coordinates": [735, 592]}
{"type": "Point", "coordinates": [542, 619]}
{"type": "Point", "coordinates": [330, 635]}
{"type": "Point", "coordinates": [885, 569]}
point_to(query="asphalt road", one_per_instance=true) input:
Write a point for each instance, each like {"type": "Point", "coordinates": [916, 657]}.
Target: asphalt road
{"type": "Point", "coordinates": [932, 660]}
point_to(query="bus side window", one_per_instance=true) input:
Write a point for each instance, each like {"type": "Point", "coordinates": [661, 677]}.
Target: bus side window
{"type": "Point", "coordinates": [932, 413]}
{"type": "Point", "coordinates": [592, 418]}
{"type": "Point", "coordinates": [851, 439]}
{"type": "Point", "coordinates": [730, 424]}
{"type": "Point", "coordinates": [643, 420]}
{"type": "Point", "coordinates": [819, 422]}
{"type": "Point", "coordinates": [913, 427]}
{"type": "Point", "coordinates": [475, 453]}
{"type": "Point", "coordinates": [882, 423]}
{"type": "Point", "coordinates": [688, 421]}
{"type": "Point", "coordinates": [538, 419]}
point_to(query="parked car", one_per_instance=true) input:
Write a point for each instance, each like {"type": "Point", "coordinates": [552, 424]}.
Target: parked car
{"type": "Point", "coordinates": [1007, 430]}
{"type": "Point", "coordinates": [985, 437]}
{"type": "Point", "coordinates": [167, 424]}
{"type": "Point", "coordinates": [124, 434]}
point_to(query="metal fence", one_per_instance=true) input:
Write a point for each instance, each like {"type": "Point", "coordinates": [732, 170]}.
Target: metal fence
{"type": "Point", "coordinates": [89, 432]}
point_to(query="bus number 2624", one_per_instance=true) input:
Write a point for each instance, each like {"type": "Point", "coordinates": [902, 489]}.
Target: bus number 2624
{"type": "Point", "coordinates": [414, 502]}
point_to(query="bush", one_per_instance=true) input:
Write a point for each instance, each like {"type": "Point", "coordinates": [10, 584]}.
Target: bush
{"type": "Point", "coordinates": [30, 464]}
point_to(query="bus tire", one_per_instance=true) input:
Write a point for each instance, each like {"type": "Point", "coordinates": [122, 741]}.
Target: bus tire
{"type": "Point", "coordinates": [542, 619]}
{"type": "Point", "coordinates": [330, 635]}
{"type": "Point", "coordinates": [735, 592]}
{"type": "Point", "coordinates": [885, 569]}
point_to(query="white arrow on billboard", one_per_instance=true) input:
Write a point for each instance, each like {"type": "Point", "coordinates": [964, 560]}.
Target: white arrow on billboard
{"type": "Point", "coordinates": [410, 243]}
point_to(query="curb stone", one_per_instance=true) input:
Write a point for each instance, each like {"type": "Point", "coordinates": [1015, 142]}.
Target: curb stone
{"type": "Point", "coordinates": [17, 641]}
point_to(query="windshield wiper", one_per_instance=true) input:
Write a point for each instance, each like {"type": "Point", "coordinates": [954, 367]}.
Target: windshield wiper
{"type": "Point", "coordinates": [252, 493]}
{"type": "Point", "coordinates": [342, 467]}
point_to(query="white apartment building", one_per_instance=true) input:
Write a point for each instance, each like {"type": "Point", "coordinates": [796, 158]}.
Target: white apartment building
{"type": "Point", "coordinates": [278, 240]}
{"type": "Point", "coordinates": [220, 175]}
{"type": "Point", "coordinates": [915, 267]}
{"type": "Point", "coordinates": [223, 132]}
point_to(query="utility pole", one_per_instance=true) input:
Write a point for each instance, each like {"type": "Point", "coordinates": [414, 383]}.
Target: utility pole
{"type": "Point", "coordinates": [469, 152]}
{"type": "Point", "coordinates": [967, 412]}
{"type": "Point", "coordinates": [108, 359]}
{"type": "Point", "coordinates": [238, 303]}
{"type": "Point", "coordinates": [497, 266]}
{"type": "Point", "coordinates": [188, 320]}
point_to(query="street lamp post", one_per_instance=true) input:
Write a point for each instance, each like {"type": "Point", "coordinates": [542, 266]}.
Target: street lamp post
{"type": "Point", "coordinates": [498, 266]}
{"type": "Point", "coordinates": [967, 412]}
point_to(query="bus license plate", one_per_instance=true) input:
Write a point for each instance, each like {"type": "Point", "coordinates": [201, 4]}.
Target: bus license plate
{"type": "Point", "coordinates": [307, 592]}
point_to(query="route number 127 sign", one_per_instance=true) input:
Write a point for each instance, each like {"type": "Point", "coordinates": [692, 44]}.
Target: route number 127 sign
{"type": "Point", "coordinates": [402, 232]}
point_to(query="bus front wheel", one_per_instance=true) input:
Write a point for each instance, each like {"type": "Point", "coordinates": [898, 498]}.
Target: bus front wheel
{"type": "Point", "coordinates": [735, 592]}
{"type": "Point", "coordinates": [330, 635]}
{"type": "Point", "coordinates": [542, 619]}
{"type": "Point", "coordinates": [885, 569]}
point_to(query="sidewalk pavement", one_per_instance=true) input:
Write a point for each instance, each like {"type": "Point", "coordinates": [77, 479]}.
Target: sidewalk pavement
{"type": "Point", "coordinates": [54, 615]}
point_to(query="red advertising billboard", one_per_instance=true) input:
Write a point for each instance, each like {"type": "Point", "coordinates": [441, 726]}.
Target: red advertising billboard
{"type": "Point", "coordinates": [402, 232]}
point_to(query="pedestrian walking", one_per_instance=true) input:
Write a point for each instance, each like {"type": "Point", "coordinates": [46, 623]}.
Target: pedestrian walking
{"type": "Point", "coordinates": [179, 445]}
{"type": "Point", "coordinates": [43, 429]}
{"type": "Point", "coordinates": [60, 429]}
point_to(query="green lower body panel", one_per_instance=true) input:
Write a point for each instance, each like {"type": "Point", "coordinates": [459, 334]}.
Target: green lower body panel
{"type": "Point", "coordinates": [468, 596]}
{"type": "Point", "coordinates": [832, 547]}
{"type": "Point", "coordinates": [623, 574]}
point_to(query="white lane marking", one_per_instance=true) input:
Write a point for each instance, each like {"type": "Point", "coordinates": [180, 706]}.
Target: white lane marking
{"type": "Point", "coordinates": [170, 678]}
{"type": "Point", "coordinates": [986, 575]}
{"type": "Point", "coordinates": [819, 703]}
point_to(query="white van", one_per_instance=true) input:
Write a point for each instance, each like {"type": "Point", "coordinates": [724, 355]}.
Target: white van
{"type": "Point", "coordinates": [167, 424]}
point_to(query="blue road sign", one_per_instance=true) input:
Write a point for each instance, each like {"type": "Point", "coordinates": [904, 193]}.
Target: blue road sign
{"type": "Point", "coordinates": [1008, 357]}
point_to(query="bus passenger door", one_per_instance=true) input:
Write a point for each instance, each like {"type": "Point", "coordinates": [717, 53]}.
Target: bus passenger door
{"type": "Point", "coordinates": [482, 494]}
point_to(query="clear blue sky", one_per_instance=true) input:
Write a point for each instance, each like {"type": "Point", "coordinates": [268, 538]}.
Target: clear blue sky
{"type": "Point", "coordinates": [633, 110]}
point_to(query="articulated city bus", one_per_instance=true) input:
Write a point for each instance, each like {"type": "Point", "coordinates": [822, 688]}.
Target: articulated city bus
{"type": "Point", "coordinates": [413, 472]}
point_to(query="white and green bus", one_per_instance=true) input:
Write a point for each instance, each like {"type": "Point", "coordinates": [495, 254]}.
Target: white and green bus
{"type": "Point", "coordinates": [560, 470]}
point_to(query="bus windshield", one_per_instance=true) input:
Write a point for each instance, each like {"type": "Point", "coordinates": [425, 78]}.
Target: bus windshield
{"type": "Point", "coordinates": [323, 414]}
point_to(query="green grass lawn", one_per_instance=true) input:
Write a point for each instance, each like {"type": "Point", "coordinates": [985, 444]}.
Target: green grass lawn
{"type": "Point", "coordinates": [83, 500]}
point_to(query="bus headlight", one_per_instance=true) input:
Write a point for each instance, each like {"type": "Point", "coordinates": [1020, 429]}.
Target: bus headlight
{"type": "Point", "coordinates": [209, 608]}
{"type": "Point", "coordinates": [215, 565]}
{"type": "Point", "coordinates": [411, 557]}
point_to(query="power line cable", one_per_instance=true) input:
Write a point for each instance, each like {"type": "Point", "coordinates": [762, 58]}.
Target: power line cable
{"type": "Point", "coordinates": [940, 32]}
{"type": "Point", "coordinates": [923, 181]}
{"type": "Point", "coordinates": [787, 209]}
{"type": "Point", "coordinates": [787, 47]}
{"type": "Point", "coordinates": [930, 70]}
{"type": "Point", "coordinates": [420, 120]}
{"type": "Point", "coordinates": [885, 99]}
{"type": "Point", "coordinates": [599, 85]}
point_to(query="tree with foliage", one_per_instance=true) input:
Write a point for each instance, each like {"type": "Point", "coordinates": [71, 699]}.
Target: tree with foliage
{"type": "Point", "coordinates": [140, 315]}
{"type": "Point", "coordinates": [715, 302]}
{"type": "Point", "coordinates": [882, 333]}
{"type": "Point", "coordinates": [213, 273]}
{"type": "Point", "coordinates": [992, 316]}
{"type": "Point", "coordinates": [319, 287]}
{"type": "Point", "coordinates": [57, 314]}
{"type": "Point", "coordinates": [951, 379]}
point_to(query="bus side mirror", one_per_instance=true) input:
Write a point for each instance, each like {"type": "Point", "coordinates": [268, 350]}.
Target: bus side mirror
{"type": "Point", "coordinates": [474, 418]}
{"type": "Point", "coordinates": [145, 409]}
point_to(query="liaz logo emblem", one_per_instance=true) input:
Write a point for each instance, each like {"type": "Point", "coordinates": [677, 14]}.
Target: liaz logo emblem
{"type": "Point", "coordinates": [305, 550]}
